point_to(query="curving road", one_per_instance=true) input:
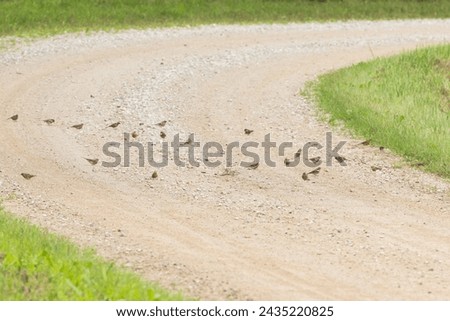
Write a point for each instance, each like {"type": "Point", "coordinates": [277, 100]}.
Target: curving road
{"type": "Point", "coordinates": [350, 232]}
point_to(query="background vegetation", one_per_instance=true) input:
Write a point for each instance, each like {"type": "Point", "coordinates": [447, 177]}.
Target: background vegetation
{"type": "Point", "coordinates": [400, 102]}
{"type": "Point", "coordinates": [42, 17]}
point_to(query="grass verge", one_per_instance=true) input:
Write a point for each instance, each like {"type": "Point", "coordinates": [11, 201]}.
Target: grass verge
{"type": "Point", "coordinates": [36, 265]}
{"type": "Point", "coordinates": [31, 17]}
{"type": "Point", "coordinates": [400, 102]}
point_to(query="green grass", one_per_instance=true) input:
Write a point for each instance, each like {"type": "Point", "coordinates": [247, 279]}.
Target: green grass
{"type": "Point", "coordinates": [400, 102]}
{"type": "Point", "coordinates": [35, 265]}
{"type": "Point", "coordinates": [43, 17]}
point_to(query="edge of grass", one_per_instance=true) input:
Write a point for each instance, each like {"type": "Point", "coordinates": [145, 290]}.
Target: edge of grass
{"type": "Point", "coordinates": [400, 102]}
{"type": "Point", "coordinates": [38, 265]}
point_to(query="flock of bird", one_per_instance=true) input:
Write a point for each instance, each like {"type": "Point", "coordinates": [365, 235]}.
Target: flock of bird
{"type": "Point", "coordinates": [254, 165]}
{"type": "Point", "coordinates": [92, 161]}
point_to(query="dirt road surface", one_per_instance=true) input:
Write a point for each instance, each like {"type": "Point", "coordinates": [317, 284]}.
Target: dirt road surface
{"type": "Point", "coordinates": [349, 232]}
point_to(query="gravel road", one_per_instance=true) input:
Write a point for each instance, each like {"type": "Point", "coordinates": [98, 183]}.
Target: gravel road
{"type": "Point", "coordinates": [374, 229]}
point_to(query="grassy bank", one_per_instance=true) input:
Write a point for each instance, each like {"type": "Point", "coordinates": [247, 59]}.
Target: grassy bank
{"type": "Point", "coordinates": [31, 17]}
{"type": "Point", "coordinates": [35, 265]}
{"type": "Point", "coordinates": [401, 102]}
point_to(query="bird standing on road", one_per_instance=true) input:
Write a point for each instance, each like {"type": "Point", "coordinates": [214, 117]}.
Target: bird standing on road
{"type": "Point", "coordinates": [78, 126]}
{"type": "Point", "coordinates": [315, 172]}
{"type": "Point", "coordinates": [288, 162]}
{"type": "Point", "coordinates": [315, 160]}
{"type": "Point", "coordinates": [114, 125]}
{"type": "Point", "coordinates": [305, 176]}
{"type": "Point", "coordinates": [27, 176]}
{"type": "Point", "coordinates": [187, 143]}
{"type": "Point", "coordinates": [49, 121]}
{"type": "Point", "coordinates": [253, 165]}
{"type": "Point", "coordinates": [340, 159]}
{"type": "Point", "coordinates": [92, 161]}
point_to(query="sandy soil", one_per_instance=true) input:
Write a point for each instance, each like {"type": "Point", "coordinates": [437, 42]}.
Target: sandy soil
{"type": "Point", "coordinates": [347, 233]}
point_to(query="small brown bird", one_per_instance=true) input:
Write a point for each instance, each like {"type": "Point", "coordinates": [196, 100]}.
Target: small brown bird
{"type": "Point", "coordinates": [366, 142]}
{"type": "Point", "coordinates": [288, 162]}
{"type": "Point", "coordinates": [253, 165]}
{"type": "Point", "coordinates": [162, 124]}
{"type": "Point", "coordinates": [381, 148]}
{"type": "Point", "coordinates": [14, 117]}
{"type": "Point", "coordinates": [155, 174]}
{"type": "Point", "coordinates": [315, 172]}
{"type": "Point", "coordinates": [27, 176]}
{"type": "Point", "coordinates": [49, 121]}
{"type": "Point", "coordinates": [315, 160]}
{"type": "Point", "coordinates": [187, 143]}
{"type": "Point", "coordinates": [162, 135]}
{"type": "Point", "coordinates": [114, 125]}
{"type": "Point", "coordinates": [305, 177]}
{"type": "Point", "coordinates": [78, 126]}
{"type": "Point", "coordinates": [92, 161]}
{"type": "Point", "coordinates": [248, 131]}
{"type": "Point", "coordinates": [134, 134]}
{"type": "Point", "coordinates": [340, 159]}
{"type": "Point", "coordinates": [375, 168]}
